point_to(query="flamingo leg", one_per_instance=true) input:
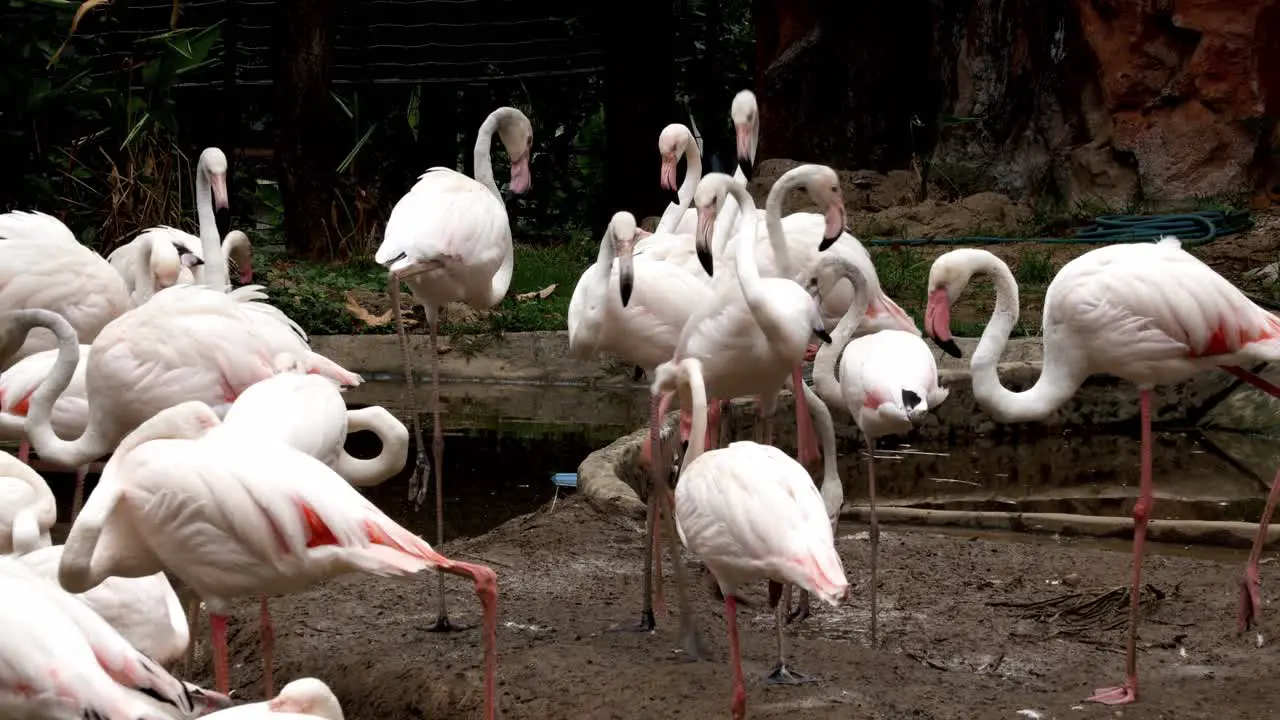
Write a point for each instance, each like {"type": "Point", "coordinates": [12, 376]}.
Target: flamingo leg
{"type": "Point", "coordinates": [443, 623]}
{"type": "Point", "coordinates": [807, 452]}
{"type": "Point", "coordinates": [713, 424]}
{"type": "Point", "coordinates": [873, 533]}
{"type": "Point", "coordinates": [1128, 692]}
{"type": "Point", "coordinates": [77, 498]}
{"type": "Point", "coordinates": [218, 633]}
{"type": "Point", "coordinates": [653, 452]}
{"type": "Point", "coordinates": [193, 614]}
{"type": "Point", "coordinates": [24, 452]}
{"type": "Point", "coordinates": [486, 582]}
{"type": "Point", "coordinates": [782, 675]}
{"type": "Point", "coordinates": [1250, 594]}
{"type": "Point", "coordinates": [739, 704]}
{"type": "Point", "coordinates": [802, 611]}
{"type": "Point", "coordinates": [268, 645]}
{"type": "Point", "coordinates": [694, 647]}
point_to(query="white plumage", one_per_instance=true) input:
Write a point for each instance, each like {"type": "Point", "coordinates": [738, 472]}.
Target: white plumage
{"type": "Point", "coordinates": [27, 507]}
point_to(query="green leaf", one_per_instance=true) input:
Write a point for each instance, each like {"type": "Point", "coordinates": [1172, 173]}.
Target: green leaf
{"type": "Point", "coordinates": [415, 97]}
{"type": "Point", "coordinates": [146, 117]}
{"type": "Point", "coordinates": [351, 156]}
{"type": "Point", "coordinates": [341, 104]}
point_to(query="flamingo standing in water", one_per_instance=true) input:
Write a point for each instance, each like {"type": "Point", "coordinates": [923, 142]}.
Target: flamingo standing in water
{"type": "Point", "coordinates": [1150, 313]}
{"type": "Point", "coordinates": [888, 383]}
{"type": "Point", "coordinates": [27, 507]}
{"type": "Point", "coordinates": [232, 514]}
{"type": "Point", "coordinates": [751, 513]}
{"type": "Point", "coordinates": [449, 240]}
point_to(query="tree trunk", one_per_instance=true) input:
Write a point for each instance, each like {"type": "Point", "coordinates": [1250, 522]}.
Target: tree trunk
{"type": "Point", "coordinates": [639, 100]}
{"type": "Point", "coordinates": [306, 145]}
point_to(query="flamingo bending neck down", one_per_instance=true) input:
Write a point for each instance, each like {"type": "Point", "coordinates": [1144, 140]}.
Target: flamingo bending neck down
{"type": "Point", "coordinates": [242, 515]}
{"type": "Point", "coordinates": [751, 513]}
{"type": "Point", "coordinates": [149, 263]}
{"type": "Point", "coordinates": [302, 698]}
{"type": "Point", "coordinates": [449, 239]}
{"type": "Point", "coordinates": [1150, 313]}
{"type": "Point", "coordinates": [27, 508]}
{"type": "Point", "coordinates": [888, 383]}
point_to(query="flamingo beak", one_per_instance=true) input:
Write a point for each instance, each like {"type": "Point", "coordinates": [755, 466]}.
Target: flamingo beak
{"type": "Point", "coordinates": [743, 131]}
{"type": "Point", "coordinates": [626, 268]}
{"type": "Point", "coordinates": [521, 178]}
{"type": "Point", "coordinates": [835, 217]}
{"type": "Point", "coordinates": [702, 237]}
{"type": "Point", "coordinates": [937, 322]}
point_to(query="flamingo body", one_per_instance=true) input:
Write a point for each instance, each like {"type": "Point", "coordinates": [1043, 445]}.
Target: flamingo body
{"type": "Point", "coordinates": [889, 381]}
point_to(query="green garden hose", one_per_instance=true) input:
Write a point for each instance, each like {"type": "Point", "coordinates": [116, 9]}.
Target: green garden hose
{"type": "Point", "coordinates": [1194, 228]}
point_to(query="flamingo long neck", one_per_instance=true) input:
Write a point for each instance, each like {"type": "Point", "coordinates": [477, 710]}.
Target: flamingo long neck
{"type": "Point", "coordinates": [832, 488]}
{"type": "Point", "coordinates": [145, 282]}
{"type": "Point", "coordinates": [773, 221]}
{"type": "Point", "coordinates": [1059, 377]}
{"type": "Point", "coordinates": [692, 174]}
{"type": "Point", "coordinates": [828, 356]}
{"type": "Point", "coordinates": [748, 271]}
{"type": "Point", "coordinates": [94, 442]}
{"type": "Point", "coordinates": [482, 160]}
{"type": "Point", "coordinates": [214, 273]}
{"type": "Point", "coordinates": [607, 253]}
{"type": "Point", "coordinates": [395, 447]}
{"type": "Point", "coordinates": [502, 279]}
{"type": "Point", "coordinates": [698, 390]}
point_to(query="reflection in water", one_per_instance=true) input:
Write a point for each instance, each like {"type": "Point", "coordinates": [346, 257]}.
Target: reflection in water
{"type": "Point", "coordinates": [1087, 474]}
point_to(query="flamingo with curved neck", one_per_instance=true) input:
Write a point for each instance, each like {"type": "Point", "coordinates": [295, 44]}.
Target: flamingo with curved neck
{"type": "Point", "coordinates": [449, 239]}
{"type": "Point", "coordinates": [1150, 313]}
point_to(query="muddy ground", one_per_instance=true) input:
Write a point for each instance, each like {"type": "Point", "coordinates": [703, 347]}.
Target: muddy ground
{"type": "Point", "coordinates": [946, 651]}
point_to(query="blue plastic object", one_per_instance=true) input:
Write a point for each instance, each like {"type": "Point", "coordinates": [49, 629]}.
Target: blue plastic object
{"type": "Point", "coordinates": [566, 480]}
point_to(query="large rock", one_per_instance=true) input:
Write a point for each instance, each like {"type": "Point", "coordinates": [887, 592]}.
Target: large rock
{"type": "Point", "coordinates": [1090, 101]}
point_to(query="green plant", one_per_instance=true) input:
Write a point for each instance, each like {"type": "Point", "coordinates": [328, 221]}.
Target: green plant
{"type": "Point", "coordinates": [1034, 267]}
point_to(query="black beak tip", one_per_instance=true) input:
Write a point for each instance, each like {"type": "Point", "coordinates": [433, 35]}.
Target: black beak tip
{"type": "Point", "coordinates": [704, 257]}
{"type": "Point", "coordinates": [222, 219]}
{"type": "Point", "coordinates": [827, 242]}
{"type": "Point", "coordinates": [748, 169]}
{"type": "Point", "coordinates": [823, 335]}
{"type": "Point", "coordinates": [673, 197]}
{"type": "Point", "coordinates": [948, 346]}
{"type": "Point", "coordinates": [625, 287]}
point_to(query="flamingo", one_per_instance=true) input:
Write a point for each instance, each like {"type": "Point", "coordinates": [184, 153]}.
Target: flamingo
{"type": "Point", "coordinates": [42, 265]}
{"type": "Point", "coordinates": [149, 263]}
{"type": "Point", "coordinates": [1150, 313]}
{"type": "Point", "coordinates": [144, 610]}
{"type": "Point", "coordinates": [27, 508]}
{"type": "Point", "coordinates": [236, 248]}
{"type": "Point", "coordinates": [449, 239]}
{"type": "Point", "coordinates": [70, 411]}
{"type": "Point", "coordinates": [187, 342]}
{"type": "Point", "coordinates": [59, 659]}
{"type": "Point", "coordinates": [303, 698]}
{"type": "Point", "coordinates": [231, 514]}
{"type": "Point", "coordinates": [307, 412]}
{"type": "Point", "coordinates": [888, 383]}
{"type": "Point", "coordinates": [751, 513]}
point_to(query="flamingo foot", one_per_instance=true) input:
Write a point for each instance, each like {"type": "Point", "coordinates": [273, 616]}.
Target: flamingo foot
{"type": "Point", "coordinates": [802, 612]}
{"type": "Point", "coordinates": [1122, 695]}
{"type": "Point", "coordinates": [695, 648]}
{"type": "Point", "coordinates": [810, 353]}
{"type": "Point", "coordinates": [646, 623]}
{"type": "Point", "coordinates": [1250, 600]}
{"type": "Point", "coordinates": [782, 675]}
{"type": "Point", "coordinates": [445, 625]}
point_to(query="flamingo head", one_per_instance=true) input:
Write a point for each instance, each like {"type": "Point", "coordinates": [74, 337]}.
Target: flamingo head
{"type": "Point", "coordinates": [622, 233]}
{"type": "Point", "coordinates": [516, 133]}
{"type": "Point", "coordinates": [746, 124]}
{"type": "Point", "coordinates": [948, 279]}
{"type": "Point", "coordinates": [672, 142]}
{"type": "Point", "coordinates": [307, 696]}
{"type": "Point", "coordinates": [213, 167]}
{"type": "Point", "coordinates": [239, 251]}
{"type": "Point", "coordinates": [708, 198]}
{"type": "Point", "coordinates": [823, 186]}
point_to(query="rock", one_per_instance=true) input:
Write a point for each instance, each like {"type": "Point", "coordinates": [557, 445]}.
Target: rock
{"type": "Point", "coordinates": [984, 213]}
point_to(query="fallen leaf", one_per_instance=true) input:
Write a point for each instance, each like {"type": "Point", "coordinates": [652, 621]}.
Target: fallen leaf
{"type": "Point", "coordinates": [353, 306]}
{"type": "Point", "coordinates": [542, 294]}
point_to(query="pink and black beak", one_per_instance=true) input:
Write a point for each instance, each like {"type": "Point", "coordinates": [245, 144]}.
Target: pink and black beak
{"type": "Point", "coordinates": [221, 204]}
{"type": "Point", "coordinates": [703, 237]}
{"type": "Point", "coordinates": [835, 217]}
{"type": "Point", "coordinates": [668, 178]}
{"type": "Point", "coordinates": [937, 322]}
{"type": "Point", "coordinates": [521, 177]}
{"type": "Point", "coordinates": [743, 131]}
{"type": "Point", "coordinates": [625, 250]}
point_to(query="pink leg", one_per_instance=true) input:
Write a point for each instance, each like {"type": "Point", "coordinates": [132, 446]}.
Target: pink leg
{"type": "Point", "coordinates": [1250, 596]}
{"type": "Point", "coordinates": [659, 598]}
{"type": "Point", "coordinates": [810, 353]}
{"type": "Point", "coordinates": [77, 498]}
{"type": "Point", "coordinates": [806, 439]}
{"type": "Point", "coordinates": [766, 424]}
{"type": "Point", "coordinates": [218, 631]}
{"type": "Point", "coordinates": [873, 533]}
{"type": "Point", "coordinates": [739, 706]}
{"type": "Point", "coordinates": [1128, 692]}
{"type": "Point", "coordinates": [268, 643]}
{"type": "Point", "coordinates": [486, 582]}
{"type": "Point", "coordinates": [24, 452]}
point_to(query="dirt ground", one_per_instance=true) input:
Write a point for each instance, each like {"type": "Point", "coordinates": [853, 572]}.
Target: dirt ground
{"type": "Point", "coordinates": [946, 650]}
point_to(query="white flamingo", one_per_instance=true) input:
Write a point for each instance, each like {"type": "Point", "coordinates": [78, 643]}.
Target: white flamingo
{"type": "Point", "coordinates": [449, 239]}
{"type": "Point", "coordinates": [149, 263]}
{"type": "Point", "coordinates": [42, 265]}
{"type": "Point", "coordinates": [1150, 313]}
{"type": "Point", "coordinates": [307, 412]}
{"type": "Point", "coordinates": [27, 508]}
{"type": "Point", "coordinates": [59, 659]}
{"type": "Point", "coordinates": [888, 383]}
{"type": "Point", "coordinates": [187, 342]}
{"type": "Point", "coordinates": [144, 610]}
{"type": "Point", "coordinates": [236, 249]}
{"type": "Point", "coordinates": [233, 514]}
{"type": "Point", "coordinates": [303, 698]}
{"type": "Point", "coordinates": [751, 513]}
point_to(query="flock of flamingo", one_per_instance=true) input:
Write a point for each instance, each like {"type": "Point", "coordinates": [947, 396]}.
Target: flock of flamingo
{"type": "Point", "coordinates": [225, 432]}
